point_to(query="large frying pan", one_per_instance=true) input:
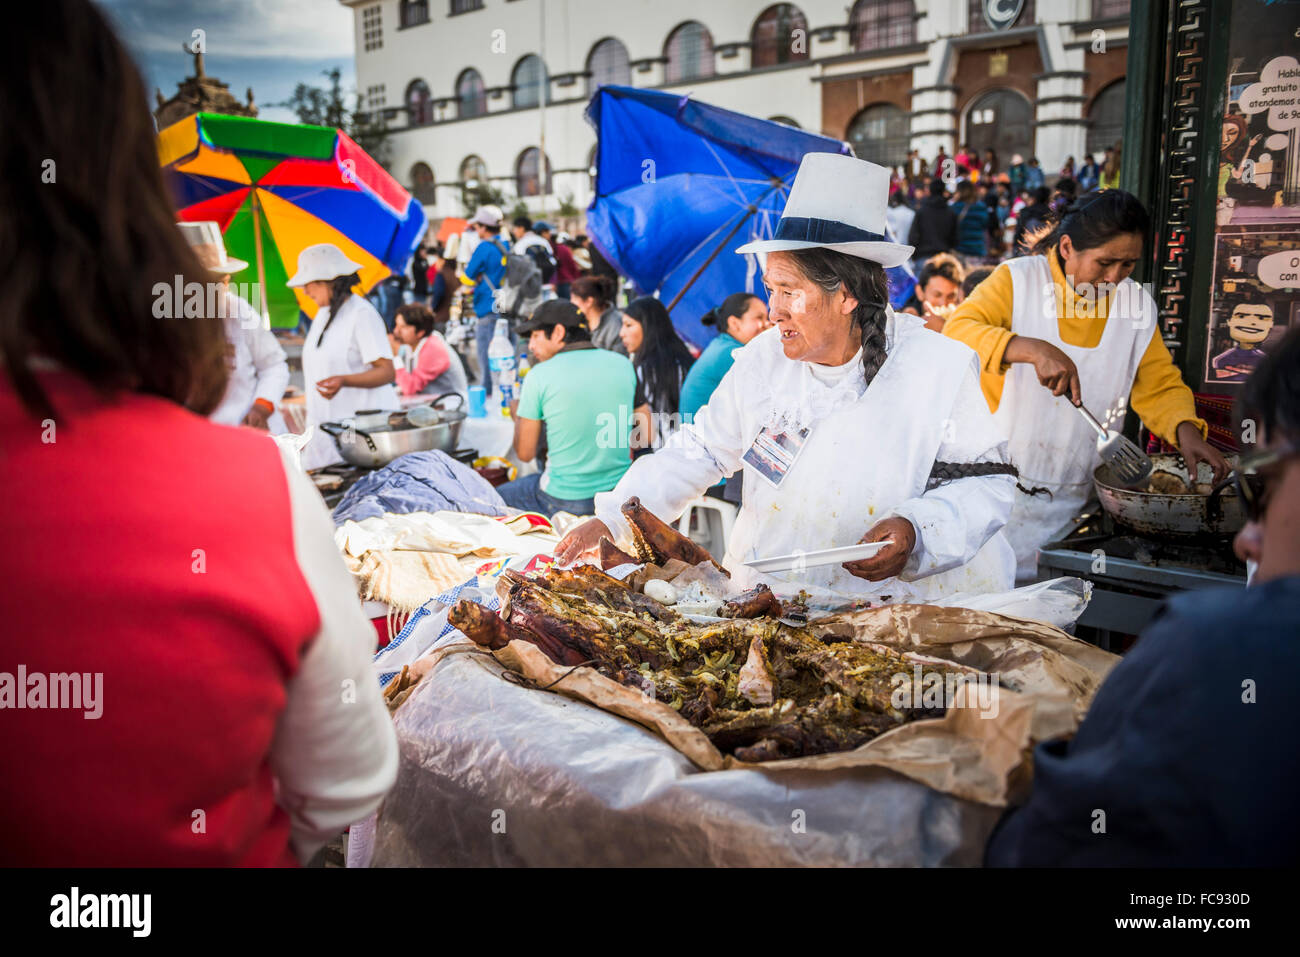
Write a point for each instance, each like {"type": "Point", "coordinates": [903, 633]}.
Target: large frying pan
{"type": "Point", "coordinates": [1182, 516]}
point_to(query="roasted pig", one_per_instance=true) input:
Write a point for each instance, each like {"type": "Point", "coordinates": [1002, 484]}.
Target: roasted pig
{"type": "Point", "coordinates": [758, 688]}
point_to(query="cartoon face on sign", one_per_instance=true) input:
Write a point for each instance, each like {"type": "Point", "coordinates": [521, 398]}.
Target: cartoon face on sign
{"type": "Point", "coordinates": [1250, 323]}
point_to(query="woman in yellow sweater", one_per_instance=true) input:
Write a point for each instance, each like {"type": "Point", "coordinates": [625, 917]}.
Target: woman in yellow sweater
{"type": "Point", "coordinates": [1068, 321]}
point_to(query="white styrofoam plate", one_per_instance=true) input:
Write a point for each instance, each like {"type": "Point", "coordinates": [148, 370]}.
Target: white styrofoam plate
{"type": "Point", "coordinates": [827, 556]}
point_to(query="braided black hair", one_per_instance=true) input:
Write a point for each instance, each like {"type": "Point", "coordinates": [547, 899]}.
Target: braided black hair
{"type": "Point", "coordinates": [860, 279]}
{"type": "Point", "coordinates": [340, 290]}
{"type": "Point", "coordinates": [944, 472]}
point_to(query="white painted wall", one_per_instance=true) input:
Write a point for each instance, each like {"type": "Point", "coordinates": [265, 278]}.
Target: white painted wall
{"type": "Point", "coordinates": [495, 38]}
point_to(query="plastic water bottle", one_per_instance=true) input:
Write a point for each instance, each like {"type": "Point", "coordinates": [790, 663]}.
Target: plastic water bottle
{"type": "Point", "coordinates": [501, 362]}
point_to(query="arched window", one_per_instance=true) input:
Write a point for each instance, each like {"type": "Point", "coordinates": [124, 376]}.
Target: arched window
{"type": "Point", "coordinates": [880, 24]}
{"type": "Point", "coordinates": [785, 120]}
{"type": "Point", "coordinates": [528, 179]}
{"type": "Point", "coordinates": [780, 35]}
{"type": "Point", "coordinates": [422, 185]}
{"type": "Point", "coordinates": [529, 81]}
{"type": "Point", "coordinates": [413, 12]}
{"type": "Point", "coordinates": [608, 64]}
{"type": "Point", "coordinates": [473, 171]}
{"type": "Point", "coordinates": [1106, 119]}
{"type": "Point", "coordinates": [1001, 121]}
{"type": "Point", "coordinates": [880, 134]}
{"type": "Point", "coordinates": [471, 94]}
{"type": "Point", "coordinates": [1001, 12]}
{"type": "Point", "coordinates": [419, 108]}
{"type": "Point", "coordinates": [690, 53]}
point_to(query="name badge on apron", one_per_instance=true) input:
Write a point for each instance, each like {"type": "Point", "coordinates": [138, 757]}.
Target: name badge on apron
{"type": "Point", "coordinates": [773, 453]}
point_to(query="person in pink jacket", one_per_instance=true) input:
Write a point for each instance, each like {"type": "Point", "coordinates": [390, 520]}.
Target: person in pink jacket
{"type": "Point", "coordinates": [429, 366]}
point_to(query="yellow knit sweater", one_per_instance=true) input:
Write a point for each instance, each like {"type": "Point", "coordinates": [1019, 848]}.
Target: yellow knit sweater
{"type": "Point", "coordinates": [1159, 395]}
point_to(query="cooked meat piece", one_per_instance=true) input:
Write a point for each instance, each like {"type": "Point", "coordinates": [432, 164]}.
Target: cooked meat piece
{"type": "Point", "coordinates": [611, 556]}
{"type": "Point", "coordinates": [656, 541]}
{"type": "Point", "coordinates": [755, 603]}
{"type": "Point", "coordinates": [1166, 483]}
{"type": "Point", "coordinates": [485, 628]}
{"type": "Point", "coordinates": [757, 684]}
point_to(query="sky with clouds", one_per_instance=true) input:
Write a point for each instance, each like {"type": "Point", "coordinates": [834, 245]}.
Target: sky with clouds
{"type": "Point", "coordinates": [270, 45]}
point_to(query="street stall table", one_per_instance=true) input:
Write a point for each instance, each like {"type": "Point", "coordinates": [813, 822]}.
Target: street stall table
{"type": "Point", "coordinates": [495, 771]}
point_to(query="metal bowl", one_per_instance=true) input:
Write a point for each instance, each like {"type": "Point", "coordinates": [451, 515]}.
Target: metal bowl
{"type": "Point", "coordinates": [374, 448]}
{"type": "Point", "coordinates": [1191, 515]}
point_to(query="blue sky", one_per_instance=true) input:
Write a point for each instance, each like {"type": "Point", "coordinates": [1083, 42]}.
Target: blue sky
{"type": "Point", "coordinates": [270, 45]}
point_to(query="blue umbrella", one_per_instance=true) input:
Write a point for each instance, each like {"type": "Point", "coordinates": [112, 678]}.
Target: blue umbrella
{"type": "Point", "coordinates": [679, 185]}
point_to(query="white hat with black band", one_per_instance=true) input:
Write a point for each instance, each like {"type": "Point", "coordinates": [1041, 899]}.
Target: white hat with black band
{"type": "Point", "coordinates": [837, 202]}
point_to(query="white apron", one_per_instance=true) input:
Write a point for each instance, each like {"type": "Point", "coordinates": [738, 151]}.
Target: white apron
{"type": "Point", "coordinates": [1050, 442]}
{"type": "Point", "coordinates": [859, 460]}
{"type": "Point", "coordinates": [356, 338]}
{"type": "Point", "coordinates": [868, 453]}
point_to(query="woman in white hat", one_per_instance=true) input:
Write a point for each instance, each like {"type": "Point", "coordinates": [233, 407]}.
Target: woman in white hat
{"type": "Point", "coordinates": [851, 423]}
{"type": "Point", "coordinates": [347, 360]}
{"type": "Point", "coordinates": [259, 370]}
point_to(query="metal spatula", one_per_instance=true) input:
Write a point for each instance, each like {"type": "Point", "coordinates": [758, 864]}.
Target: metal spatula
{"type": "Point", "coordinates": [1130, 464]}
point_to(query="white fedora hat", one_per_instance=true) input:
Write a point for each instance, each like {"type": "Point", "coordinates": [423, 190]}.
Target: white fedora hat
{"type": "Point", "coordinates": [205, 239]}
{"type": "Point", "coordinates": [837, 202]}
{"type": "Point", "coordinates": [322, 262]}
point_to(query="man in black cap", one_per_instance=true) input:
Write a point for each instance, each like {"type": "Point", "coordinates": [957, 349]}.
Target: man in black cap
{"type": "Point", "coordinates": [584, 396]}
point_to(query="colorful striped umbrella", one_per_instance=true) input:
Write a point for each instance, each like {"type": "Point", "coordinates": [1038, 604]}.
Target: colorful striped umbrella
{"type": "Point", "coordinates": [277, 188]}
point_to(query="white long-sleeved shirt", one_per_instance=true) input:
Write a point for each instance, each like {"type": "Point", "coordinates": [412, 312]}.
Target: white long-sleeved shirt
{"type": "Point", "coordinates": [335, 751]}
{"type": "Point", "coordinates": [259, 368]}
{"type": "Point", "coordinates": [868, 455]}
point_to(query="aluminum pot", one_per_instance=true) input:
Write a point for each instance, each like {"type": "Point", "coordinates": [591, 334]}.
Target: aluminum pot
{"type": "Point", "coordinates": [1189, 515]}
{"type": "Point", "coordinates": [376, 446]}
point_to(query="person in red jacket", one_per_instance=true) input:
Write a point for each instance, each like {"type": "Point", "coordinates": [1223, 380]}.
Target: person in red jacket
{"type": "Point", "coordinates": [566, 270]}
{"type": "Point", "coordinates": [185, 674]}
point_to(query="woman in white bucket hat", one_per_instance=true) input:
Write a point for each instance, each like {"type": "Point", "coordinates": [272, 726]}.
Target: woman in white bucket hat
{"type": "Point", "coordinates": [347, 360]}
{"type": "Point", "coordinates": [852, 423]}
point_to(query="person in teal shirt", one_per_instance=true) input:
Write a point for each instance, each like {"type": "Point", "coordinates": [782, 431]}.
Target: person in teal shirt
{"type": "Point", "coordinates": [740, 318]}
{"type": "Point", "coordinates": [585, 396]}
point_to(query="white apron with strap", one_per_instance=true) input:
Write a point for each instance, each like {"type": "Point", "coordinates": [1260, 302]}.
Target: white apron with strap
{"type": "Point", "coordinates": [1050, 442]}
{"type": "Point", "coordinates": [355, 339]}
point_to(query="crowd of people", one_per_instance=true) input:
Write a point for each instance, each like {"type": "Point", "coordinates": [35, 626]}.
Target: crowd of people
{"type": "Point", "coordinates": [972, 206]}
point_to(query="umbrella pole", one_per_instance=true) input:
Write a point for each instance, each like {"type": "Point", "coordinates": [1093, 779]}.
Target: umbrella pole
{"type": "Point", "coordinates": [750, 211]}
{"type": "Point", "coordinates": [261, 266]}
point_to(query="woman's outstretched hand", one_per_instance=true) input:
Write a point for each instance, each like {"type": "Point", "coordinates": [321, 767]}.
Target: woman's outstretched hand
{"type": "Point", "coordinates": [581, 542]}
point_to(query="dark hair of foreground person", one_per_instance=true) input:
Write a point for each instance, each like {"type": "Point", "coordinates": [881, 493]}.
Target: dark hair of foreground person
{"type": "Point", "coordinates": [88, 229]}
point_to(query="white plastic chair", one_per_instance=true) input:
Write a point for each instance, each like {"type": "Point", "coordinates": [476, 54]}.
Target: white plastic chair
{"type": "Point", "coordinates": [716, 519]}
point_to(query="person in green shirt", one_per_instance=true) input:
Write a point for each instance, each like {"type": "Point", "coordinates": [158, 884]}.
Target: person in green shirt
{"type": "Point", "coordinates": [740, 318]}
{"type": "Point", "coordinates": [585, 396]}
